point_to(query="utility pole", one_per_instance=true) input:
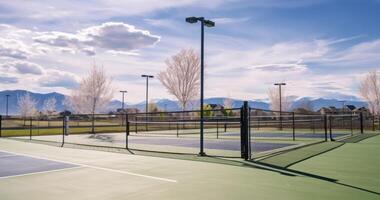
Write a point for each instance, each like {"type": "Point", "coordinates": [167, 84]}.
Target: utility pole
{"type": "Point", "coordinates": [280, 93]}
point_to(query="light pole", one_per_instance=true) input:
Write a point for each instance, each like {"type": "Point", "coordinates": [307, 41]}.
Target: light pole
{"type": "Point", "coordinates": [122, 100]}
{"type": "Point", "coordinates": [6, 109]}
{"type": "Point", "coordinates": [207, 23]}
{"type": "Point", "coordinates": [122, 107]}
{"type": "Point", "coordinates": [146, 93]}
{"type": "Point", "coordinates": [279, 87]}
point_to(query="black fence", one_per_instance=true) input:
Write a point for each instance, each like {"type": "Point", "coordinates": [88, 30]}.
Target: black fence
{"type": "Point", "coordinates": [236, 132]}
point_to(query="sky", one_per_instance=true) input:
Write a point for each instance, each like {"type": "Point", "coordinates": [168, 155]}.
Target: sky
{"type": "Point", "coordinates": [320, 48]}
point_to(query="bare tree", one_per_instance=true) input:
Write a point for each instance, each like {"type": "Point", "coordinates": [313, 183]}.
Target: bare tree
{"type": "Point", "coordinates": [93, 94]}
{"type": "Point", "coordinates": [48, 108]}
{"type": "Point", "coordinates": [306, 104]}
{"type": "Point", "coordinates": [27, 106]}
{"type": "Point", "coordinates": [227, 103]}
{"type": "Point", "coordinates": [49, 105]}
{"type": "Point", "coordinates": [153, 107]}
{"type": "Point", "coordinates": [370, 90]}
{"type": "Point", "coordinates": [274, 100]}
{"type": "Point", "coordinates": [181, 77]}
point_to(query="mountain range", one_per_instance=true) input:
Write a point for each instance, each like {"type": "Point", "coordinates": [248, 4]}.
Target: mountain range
{"type": "Point", "coordinates": [163, 104]}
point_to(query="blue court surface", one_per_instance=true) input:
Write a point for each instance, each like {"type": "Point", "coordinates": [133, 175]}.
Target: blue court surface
{"type": "Point", "coordinates": [288, 135]}
{"type": "Point", "coordinates": [17, 165]}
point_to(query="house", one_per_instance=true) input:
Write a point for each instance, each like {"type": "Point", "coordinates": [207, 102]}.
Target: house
{"type": "Point", "coordinates": [324, 111]}
{"type": "Point", "coordinates": [302, 111]}
{"type": "Point", "coordinates": [363, 110]}
{"type": "Point", "coordinates": [348, 109]}
{"type": "Point", "coordinates": [331, 110]}
{"type": "Point", "coordinates": [216, 109]}
{"type": "Point", "coordinates": [216, 106]}
{"type": "Point", "coordinates": [127, 110]}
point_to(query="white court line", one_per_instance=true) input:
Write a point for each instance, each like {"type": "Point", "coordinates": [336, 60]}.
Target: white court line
{"type": "Point", "coordinates": [6, 156]}
{"type": "Point", "coordinates": [42, 172]}
{"type": "Point", "coordinates": [96, 167]}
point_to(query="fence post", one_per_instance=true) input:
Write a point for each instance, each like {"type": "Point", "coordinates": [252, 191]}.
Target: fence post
{"type": "Point", "coordinates": [30, 128]}
{"type": "Point", "coordinates": [361, 123]}
{"type": "Point", "coordinates": [1, 121]}
{"type": "Point", "coordinates": [373, 122]}
{"type": "Point", "coordinates": [325, 125]}
{"type": "Point", "coordinates": [126, 130]}
{"type": "Point", "coordinates": [177, 129]}
{"type": "Point", "coordinates": [93, 124]}
{"type": "Point", "coordinates": [136, 123]}
{"type": "Point", "coordinates": [63, 130]}
{"type": "Point", "coordinates": [351, 125]}
{"type": "Point", "coordinates": [217, 128]}
{"type": "Point", "coordinates": [258, 123]}
{"type": "Point", "coordinates": [330, 126]}
{"type": "Point", "coordinates": [294, 126]}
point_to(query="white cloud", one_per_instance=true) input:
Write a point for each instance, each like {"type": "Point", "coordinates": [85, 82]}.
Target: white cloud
{"type": "Point", "coordinates": [228, 20]}
{"type": "Point", "coordinates": [42, 11]}
{"type": "Point", "coordinates": [7, 79]}
{"type": "Point", "coordinates": [23, 67]}
{"type": "Point", "coordinates": [107, 36]}
{"type": "Point", "coordinates": [13, 49]}
{"type": "Point", "coordinates": [56, 78]}
{"type": "Point", "coordinates": [282, 67]}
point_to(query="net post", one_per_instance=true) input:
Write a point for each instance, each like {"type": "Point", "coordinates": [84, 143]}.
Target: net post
{"type": "Point", "coordinates": [126, 130]}
{"type": "Point", "coordinates": [30, 128]}
{"type": "Point", "coordinates": [244, 132]}
{"type": "Point", "coordinates": [1, 124]}
{"type": "Point", "coordinates": [361, 123]}
{"type": "Point", "coordinates": [325, 125]}
{"type": "Point", "coordinates": [293, 126]}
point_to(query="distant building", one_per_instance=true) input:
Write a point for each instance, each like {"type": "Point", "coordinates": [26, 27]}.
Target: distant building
{"type": "Point", "coordinates": [303, 111]}
{"type": "Point", "coordinates": [216, 109]}
{"type": "Point", "coordinates": [363, 110]}
{"type": "Point", "coordinates": [127, 110]}
{"type": "Point", "coordinates": [348, 109]}
{"type": "Point", "coordinates": [330, 110]}
{"type": "Point", "coordinates": [216, 106]}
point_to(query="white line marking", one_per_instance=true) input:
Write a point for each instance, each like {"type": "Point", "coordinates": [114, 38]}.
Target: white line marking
{"type": "Point", "coordinates": [42, 172]}
{"type": "Point", "coordinates": [96, 167]}
{"type": "Point", "coordinates": [6, 156]}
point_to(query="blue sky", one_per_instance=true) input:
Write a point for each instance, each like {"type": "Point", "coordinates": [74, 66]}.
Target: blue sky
{"type": "Point", "coordinates": [321, 48]}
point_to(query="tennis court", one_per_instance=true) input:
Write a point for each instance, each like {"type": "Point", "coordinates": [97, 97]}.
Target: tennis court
{"type": "Point", "coordinates": [90, 174]}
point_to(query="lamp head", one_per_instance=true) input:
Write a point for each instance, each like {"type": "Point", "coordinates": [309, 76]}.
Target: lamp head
{"type": "Point", "coordinates": [191, 20]}
{"type": "Point", "coordinates": [209, 23]}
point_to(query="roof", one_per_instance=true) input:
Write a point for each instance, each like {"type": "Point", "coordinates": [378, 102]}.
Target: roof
{"type": "Point", "coordinates": [351, 107]}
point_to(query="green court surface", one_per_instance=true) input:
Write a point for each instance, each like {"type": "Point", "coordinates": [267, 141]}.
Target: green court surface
{"type": "Point", "coordinates": [330, 171]}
